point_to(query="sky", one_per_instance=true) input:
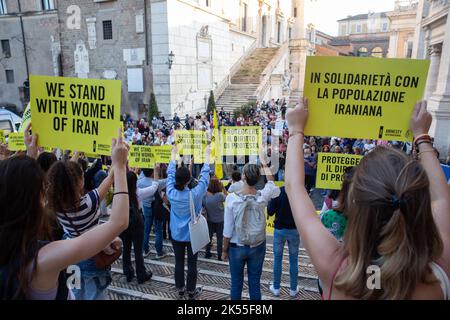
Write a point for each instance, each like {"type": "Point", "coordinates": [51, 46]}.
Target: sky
{"type": "Point", "coordinates": [324, 13]}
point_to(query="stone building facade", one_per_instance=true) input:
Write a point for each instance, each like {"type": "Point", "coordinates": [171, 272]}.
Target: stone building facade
{"type": "Point", "coordinates": [109, 40]}
{"type": "Point", "coordinates": [179, 49]}
{"type": "Point", "coordinates": [432, 41]}
{"type": "Point", "coordinates": [30, 44]}
{"type": "Point", "coordinates": [403, 22]}
{"type": "Point", "coordinates": [366, 34]}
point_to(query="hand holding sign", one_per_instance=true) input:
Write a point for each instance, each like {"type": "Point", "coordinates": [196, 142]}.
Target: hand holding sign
{"type": "Point", "coordinates": [174, 152]}
{"type": "Point", "coordinates": [298, 116]}
{"type": "Point", "coordinates": [421, 119]}
{"type": "Point", "coordinates": [31, 142]}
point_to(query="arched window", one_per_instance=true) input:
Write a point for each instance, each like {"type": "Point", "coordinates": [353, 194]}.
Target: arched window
{"type": "Point", "coordinates": [377, 52]}
{"type": "Point", "coordinates": [363, 52]}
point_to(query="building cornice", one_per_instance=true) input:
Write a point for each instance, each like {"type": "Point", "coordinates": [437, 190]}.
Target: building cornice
{"type": "Point", "coordinates": [436, 16]}
{"type": "Point", "coordinates": [29, 14]}
{"type": "Point", "coordinates": [205, 9]}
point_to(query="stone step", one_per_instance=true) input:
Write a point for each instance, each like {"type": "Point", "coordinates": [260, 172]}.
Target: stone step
{"type": "Point", "coordinates": [306, 269]}
{"type": "Point", "coordinates": [304, 261]}
{"type": "Point", "coordinates": [246, 80]}
{"type": "Point", "coordinates": [215, 282]}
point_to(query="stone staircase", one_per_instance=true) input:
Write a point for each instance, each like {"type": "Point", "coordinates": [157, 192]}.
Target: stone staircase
{"type": "Point", "coordinates": [246, 80]}
{"type": "Point", "coordinates": [213, 276]}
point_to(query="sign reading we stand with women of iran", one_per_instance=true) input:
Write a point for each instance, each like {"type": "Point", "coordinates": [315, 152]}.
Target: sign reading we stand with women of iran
{"type": "Point", "coordinates": [364, 98]}
{"type": "Point", "coordinates": [75, 114]}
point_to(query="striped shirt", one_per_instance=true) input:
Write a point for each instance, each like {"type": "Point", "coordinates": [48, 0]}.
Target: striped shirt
{"type": "Point", "coordinates": [83, 218]}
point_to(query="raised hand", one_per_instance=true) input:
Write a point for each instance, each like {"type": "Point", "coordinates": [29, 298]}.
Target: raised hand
{"type": "Point", "coordinates": [119, 151]}
{"type": "Point", "coordinates": [298, 116]}
{"type": "Point", "coordinates": [421, 119]}
{"type": "Point", "coordinates": [31, 142]}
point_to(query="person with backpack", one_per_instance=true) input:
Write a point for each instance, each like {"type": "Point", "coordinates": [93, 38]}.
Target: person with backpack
{"type": "Point", "coordinates": [134, 235]}
{"type": "Point", "coordinates": [31, 267]}
{"type": "Point", "coordinates": [179, 194]}
{"type": "Point", "coordinates": [245, 231]}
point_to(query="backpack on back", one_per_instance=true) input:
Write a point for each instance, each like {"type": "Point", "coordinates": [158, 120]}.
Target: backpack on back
{"type": "Point", "coordinates": [250, 221]}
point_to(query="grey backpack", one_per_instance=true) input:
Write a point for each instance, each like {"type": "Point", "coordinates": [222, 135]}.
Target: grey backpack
{"type": "Point", "coordinates": [250, 221]}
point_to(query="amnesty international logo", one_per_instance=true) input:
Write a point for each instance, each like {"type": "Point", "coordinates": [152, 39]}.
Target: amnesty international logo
{"type": "Point", "coordinates": [408, 134]}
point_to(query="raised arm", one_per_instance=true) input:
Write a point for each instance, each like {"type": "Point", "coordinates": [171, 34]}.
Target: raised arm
{"type": "Point", "coordinates": [143, 193]}
{"type": "Point", "coordinates": [170, 183]}
{"type": "Point", "coordinates": [320, 244]}
{"type": "Point", "coordinates": [56, 256]}
{"type": "Point", "coordinates": [439, 190]}
{"type": "Point", "coordinates": [106, 185]}
{"type": "Point", "coordinates": [31, 142]}
{"type": "Point", "coordinates": [200, 190]}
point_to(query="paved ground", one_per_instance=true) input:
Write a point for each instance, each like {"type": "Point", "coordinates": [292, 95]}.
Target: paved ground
{"type": "Point", "coordinates": [213, 275]}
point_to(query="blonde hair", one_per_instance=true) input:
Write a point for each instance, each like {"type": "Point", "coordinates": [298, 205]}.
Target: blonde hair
{"type": "Point", "coordinates": [390, 225]}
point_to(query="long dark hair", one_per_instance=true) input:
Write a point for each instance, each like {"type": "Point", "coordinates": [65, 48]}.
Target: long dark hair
{"type": "Point", "coordinates": [23, 220]}
{"type": "Point", "coordinates": [132, 183]}
{"type": "Point", "coordinates": [390, 223]}
{"type": "Point", "coordinates": [182, 177]}
{"type": "Point", "coordinates": [64, 180]}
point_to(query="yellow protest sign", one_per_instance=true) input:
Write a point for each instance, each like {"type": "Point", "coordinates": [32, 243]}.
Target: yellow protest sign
{"type": "Point", "coordinates": [26, 118]}
{"type": "Point", "coordinates": [240, 141]}
{"type": "Point", "coordinates": [141, 157]}
{"type": "Point", "coordinates": [90, 155]}
{"type": "Point", "coordinates": [16, 141]}
{"type": "Point", "coordinates": [367, 98]}
{"type": "Point", "coordinates": [331, 168]}
{"type": "Point", "coordinates": [191, 142]}
{"type": "Point", "coordinates": [183, 141]}
{"type": "Point", "coordinates": [199, 143]}
{"type": "Point", "coordinates": [2, 137]}
{"type": "Point", "coordinates": [163, 154]}
{"type": "Point", "coordinates": [47, 149]}
{"type": "Point", "coordinates": [75, 114]}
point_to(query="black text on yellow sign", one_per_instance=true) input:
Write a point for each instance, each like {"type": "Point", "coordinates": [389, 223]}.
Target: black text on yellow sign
{"type": "Point", "coordinates": [331, 168]}
{"type": "Point", "coordinates": [240, 141]}
{"type": "Point", "coordinates": [75, 114]}
{"type": "Point", "coordinates": [368, 98]}
{"type": "Point", "coordinates": [141, 157]}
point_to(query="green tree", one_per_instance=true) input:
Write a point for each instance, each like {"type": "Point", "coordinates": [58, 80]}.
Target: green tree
{"type": "Point", "coordinates": [211, 102]}
{"type": "Point", "coordinates": [244, 110]}
{"type": "Point", "coordinates": [153, 110]}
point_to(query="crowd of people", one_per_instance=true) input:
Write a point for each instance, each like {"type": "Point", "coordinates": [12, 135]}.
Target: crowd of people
{"type": "Point", "coordinates": [393, 212]}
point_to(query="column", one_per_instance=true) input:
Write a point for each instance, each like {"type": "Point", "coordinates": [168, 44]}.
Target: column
{"type": "Point", "coordinates": [299, 23]}
{"type": "Point", "coordinates": [439, 102]}
{"type": "Point", "coordinates": [434, 52]}
{"type": "Point", "coordinates": [393, 44]}
{"type": "Point", "coordinates": [298, 50]}
{"type": "Point", "coordinates": [419, 32]}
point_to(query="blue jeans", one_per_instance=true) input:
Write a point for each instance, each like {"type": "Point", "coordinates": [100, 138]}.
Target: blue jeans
{"type": "Point", "coordinates": [280, 236]}
{"type": "Point", "coordinates": [94, 282]}
{"type": "Point", "coordinates": [254, 257]}
{"type": "Point", "coordinates": [149, 220]}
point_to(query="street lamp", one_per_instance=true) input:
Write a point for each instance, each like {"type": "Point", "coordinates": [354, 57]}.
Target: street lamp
{"type": "Point", "coordinates": [170, 59]}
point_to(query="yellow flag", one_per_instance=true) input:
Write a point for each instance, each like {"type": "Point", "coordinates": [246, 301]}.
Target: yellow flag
{"type": "Point", "coordinates": [216, 154]}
